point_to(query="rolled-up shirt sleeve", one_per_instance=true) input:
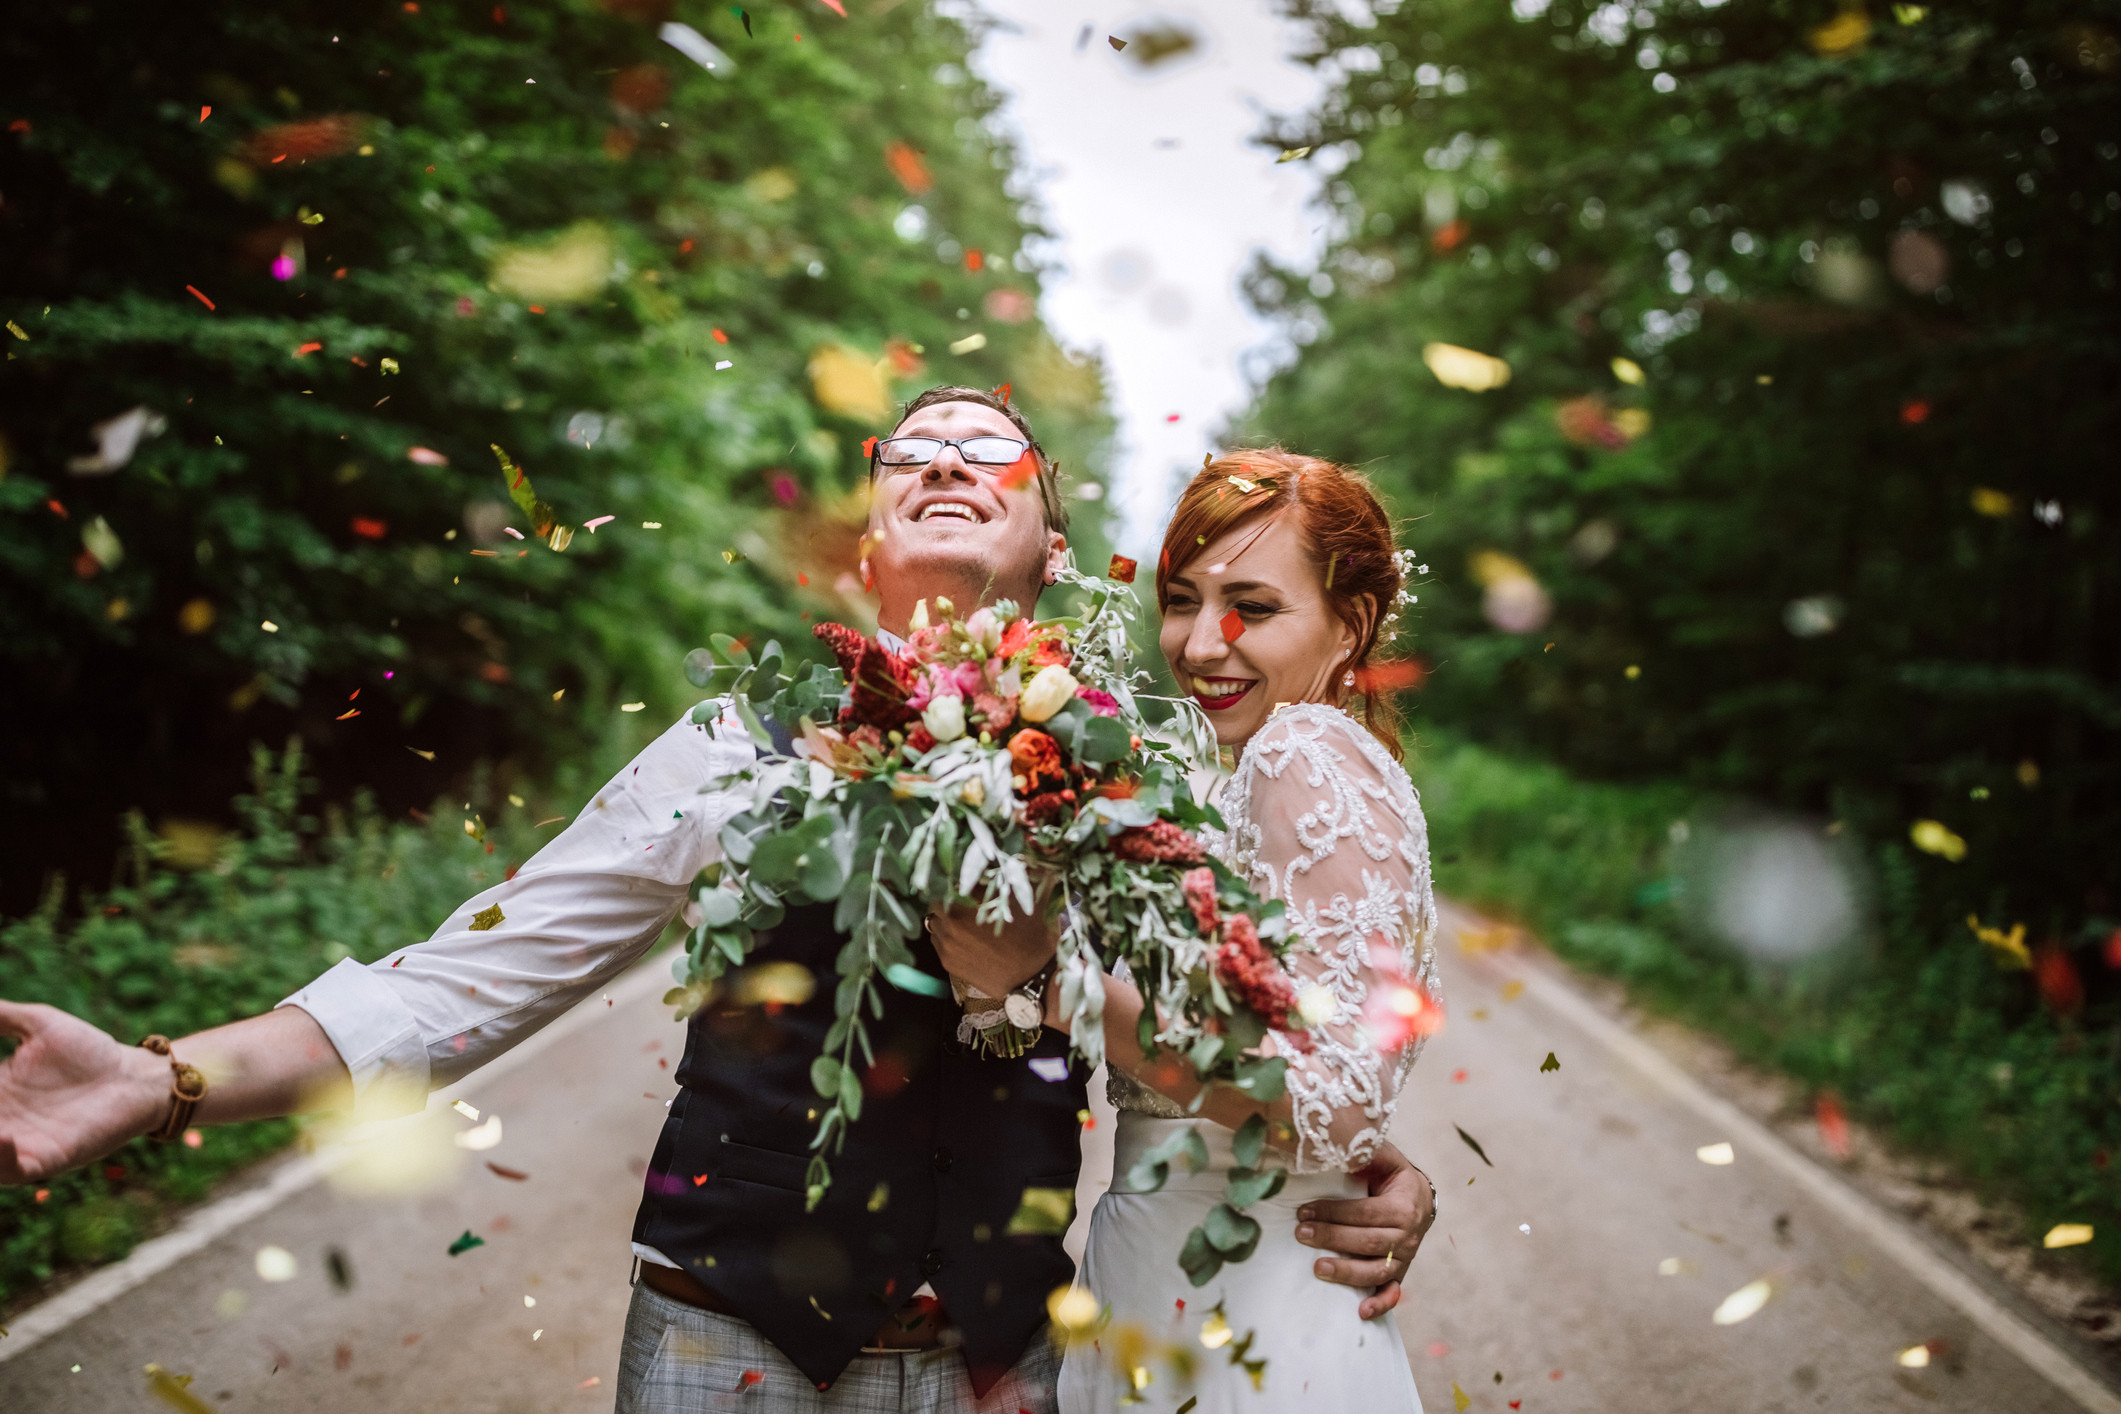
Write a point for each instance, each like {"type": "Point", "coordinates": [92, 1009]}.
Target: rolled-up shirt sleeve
{"type": "Point", "coordinates": [583, 909]}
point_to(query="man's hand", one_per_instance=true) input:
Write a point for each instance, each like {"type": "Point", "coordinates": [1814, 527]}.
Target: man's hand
{"type": "Point", "coordinates": [70, 1093]}
{"type": "Point", "coordinates": [993, 962]}
{"type": "Point", "coordinates": [1380, 1233]}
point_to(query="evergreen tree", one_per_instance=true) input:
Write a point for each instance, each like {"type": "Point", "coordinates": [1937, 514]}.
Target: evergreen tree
{"type": "Point", "coordinates": [302, 293]}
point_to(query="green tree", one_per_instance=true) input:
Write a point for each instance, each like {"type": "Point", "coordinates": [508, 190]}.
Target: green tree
{"type": "Point", "coordinates": [677, 297]}
{"type": "Point", "coordinates": [1801, 482]}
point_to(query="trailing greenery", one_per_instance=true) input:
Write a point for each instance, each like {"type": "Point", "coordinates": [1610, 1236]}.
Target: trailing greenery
{"type": "Point", "coordinates": [1800, 483]}
{"type": "Point", "coordinates": [1933, 1045]}
{"type": "Point", "coordinates": [677, 298]}
{"type": "Point", "coordinates": [205, 930]}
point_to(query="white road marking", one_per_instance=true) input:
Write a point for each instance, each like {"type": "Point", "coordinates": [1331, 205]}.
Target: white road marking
{"type": "Point", "coordinates": [294, 1176]}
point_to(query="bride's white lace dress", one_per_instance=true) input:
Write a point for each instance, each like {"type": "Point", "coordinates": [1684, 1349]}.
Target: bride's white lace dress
{"type": "Point", "coordinates": [1323, 819]}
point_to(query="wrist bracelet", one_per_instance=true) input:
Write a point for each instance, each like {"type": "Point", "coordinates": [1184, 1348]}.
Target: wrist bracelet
{"type": "Point", "coordinates": [187, 1087]}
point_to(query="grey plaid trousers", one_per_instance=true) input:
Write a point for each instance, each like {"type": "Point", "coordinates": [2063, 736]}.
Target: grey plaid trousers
{"type": "Point", "coordinates": [678, 1359]}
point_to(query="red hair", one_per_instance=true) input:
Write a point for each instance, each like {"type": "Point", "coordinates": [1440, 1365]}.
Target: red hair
{"type": "Point", "coordinates": [1346, 530]}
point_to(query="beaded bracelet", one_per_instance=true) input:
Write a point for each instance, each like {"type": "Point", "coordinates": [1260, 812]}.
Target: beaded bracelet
{"type": "Point", "coordinates": [187, 1087]}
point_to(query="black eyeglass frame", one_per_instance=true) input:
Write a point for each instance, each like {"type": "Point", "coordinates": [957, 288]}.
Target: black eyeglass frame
{"type": "Point", "coordinates": [876, 454]}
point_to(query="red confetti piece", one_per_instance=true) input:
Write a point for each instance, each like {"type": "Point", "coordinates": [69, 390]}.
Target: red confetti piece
{"type": "Point", "coordinates": [1391, 677]}
{"type": "Point", "coordinates": [907, 166]}
{"type": "Point", "coordinates": [698, 1178]}
{"type": "Point", "coordinates": [1458, 1077]}
{"type": "Point", "coordinates": [1003, 391]}
{"type": "Point", "coordinates": [1172, 417]}
{"type": "Point", "coordinates": [593, 1381]}
{"type": "Point", "coordinates": [307, 349]}
{"type": "Point", "coordinates": [512, 1175]}
{"type": "Point", "coordinates": [1833, 1124]}
{"type": "Point", "coordinates": [801, 578]}
{"type": "Point", "coordinates": [1233, 627]}
{"type": "Point", "coordinates": [1121, 569]}
{"type": "Point", "coordinates": [752, 1377]}
{"type": "Point", "coordinates": [537, 309]}
{"type": "Point", "coordinates": [57, 510]}
{"type": "Point", "coordinates": [2113, 948]}
{"type": "Point", "coordinates": [370, 529]}
{"type": "Point", "coordinates": [20, 125]}
{"type": "Point", "coordinates": [1181, 1304]}
{"type": "Point", "coordinates": [1517, 1404]}
{"type": "Point", "coordinates": [974, 259]}
{"type": "Point", "coordinates": [42, 1194]}
{"type": "Point", "coordinates": [500, 15]}
{"type": "Point", "coordinates": [202, 298]}
{"type": "Point", "coordinates": [354, 713]}
{"type": "Point", "coordinates": [1914, 411]}
{"type": "Point", "coordinates": [1018, 472]}
{"type": "Point", "coordinates": [1553, 1374]}
{"type": "Point", "coordinates": [1438, 1349]}
{"type": "Point", "coordinates": [2060, 986]}
{"type": "Point", "coordinates": [204, 110]}
{"type": "Point", "coordinates": [869, 446]}
{"type": "Point", "coordinates": [719, 336]}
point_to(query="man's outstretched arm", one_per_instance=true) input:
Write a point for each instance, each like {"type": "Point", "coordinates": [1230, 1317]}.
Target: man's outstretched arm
{"type": "Point", "coordinates": [71, 1094]}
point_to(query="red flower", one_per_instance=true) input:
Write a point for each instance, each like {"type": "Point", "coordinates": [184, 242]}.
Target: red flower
{"type": "Point", "coordinates": [1037, 757]}
{"type": "Point", "coordinates": [1048, 651]}
{"type": "Point", "coordinates": [1200, 897]}
{"type": "Point", "coordinates": [919, 740]}
{"type": "Point", "coordinates": [1014, 637]}
{"type": "Point", "coordinates": [881, 680]}
{"type": "Point", "coordinates": [1253, 975]}
{"type": "Point", "coordinates": [1048, 805]}
{"type": "Point", "coordinates": [1159, 843]}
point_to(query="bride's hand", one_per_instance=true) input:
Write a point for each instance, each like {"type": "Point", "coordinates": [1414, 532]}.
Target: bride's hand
{"type": "Point", "coordinates": [1378, 1235]}
{"type": "Point", "coordinates": [992, 960]}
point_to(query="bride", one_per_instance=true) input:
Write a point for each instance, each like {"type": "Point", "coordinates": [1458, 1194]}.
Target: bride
{"type": "Point", "coordinates": [1278, 573]}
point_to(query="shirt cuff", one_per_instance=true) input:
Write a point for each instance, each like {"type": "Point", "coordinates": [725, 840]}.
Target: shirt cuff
{"type": "Point", "coordinates": [376, 1035]}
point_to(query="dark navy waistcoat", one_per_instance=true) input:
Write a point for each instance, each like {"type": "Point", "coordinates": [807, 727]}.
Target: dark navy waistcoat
{"type": "Point", "coordinates": [928, 1181]}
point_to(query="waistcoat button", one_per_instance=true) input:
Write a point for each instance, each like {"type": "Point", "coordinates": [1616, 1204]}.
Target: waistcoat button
{"type": "Point", "coordinates": [932, 1262]}
{"type": "Point", "coordinates": [942, 1161]}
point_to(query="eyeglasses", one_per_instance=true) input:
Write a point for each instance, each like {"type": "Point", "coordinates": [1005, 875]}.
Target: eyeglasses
{"type": "Point", "coordinates": [919, 451]}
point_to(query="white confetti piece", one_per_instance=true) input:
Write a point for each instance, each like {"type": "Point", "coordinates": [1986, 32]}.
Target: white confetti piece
{"type": "Point", "coordinates": [1718, 1154]}
{"type": "Point", "coordinates": [275, 1264]}
{"type": "Point", "coordinates": [1744, 1303]}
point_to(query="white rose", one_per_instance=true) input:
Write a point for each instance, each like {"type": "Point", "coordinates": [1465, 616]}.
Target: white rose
{"type": "Point", "coordinates": [945, 718]}
{"type": "Point", "coordinates": [1053, 689]}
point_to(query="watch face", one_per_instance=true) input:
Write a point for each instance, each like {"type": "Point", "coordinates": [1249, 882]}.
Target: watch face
{"type": "Point", "coordinates": [1023, 1013]}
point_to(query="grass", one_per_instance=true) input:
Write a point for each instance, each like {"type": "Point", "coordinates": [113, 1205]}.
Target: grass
{"type": "Point", "coordinates": [1916, 1029]}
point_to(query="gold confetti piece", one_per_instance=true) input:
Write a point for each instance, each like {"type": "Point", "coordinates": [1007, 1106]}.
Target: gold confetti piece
{"type": "Point", "coordinates": [423, 755]}
{"type": "Point", "coordinates": [2067, 1235]}
{"type": "Point", "coordinates": [1457, 367]}
{"type": "Point", "coordinates": [1512, 990]}
{"type": "Point", "coordinates": [1988, 501]}
{"type": "Point", "coordinates": [1043, 1212]}
{"type": "Point", "coordinates": [1474, 1145]}
{"type": "Point", "coordinates": [632, 706]}
{"type": "Point", "coordinates": [971, 343]}
{"type": "Point", "coordinates": [1630, 372]}
{"type": "Point", "coordinates": [1932, 837]}
{"type": "Point", "coordinates": [1915, 1357]}
{"type": "Point", "coordinates": [269, 626]}
{"type": "Point", "coordinates": [530, 1300]}
{"type": "Point", "coordinates": [1215, 1332]}
{"type": "Point", "coordinates": [734, 557]}
{"type": "Point", "coordinates": [516, 801]}
{"type": "Point", "coordinates": [465, 1109]}
{"type": "Point", "coordinates": [1634, 671]}
{"type": "Point", "coordinates": [560, 694]}
{"type": "Point", "coordinates": [174, 1390]}
{"type": "Point", "coordinates": [553, 821]}
{"type": "Point", "coordinates": [1460, 1399]}
{"type": "Point", "coordinates": [1073, 1309]}
{"type": "Point", "coordinates": [2010, 945]}
{"type": "Point", "coordinates": [1292, 154]}
{"type": "Point", "coordinates": [879, 1196]}
{"type": "Point", "coordinates": [16, 330]}
{"type": "Point", "coordinates": [1718, 1154]}
{"type": "Point", "coordinates": [1674, 1267]}
{"type": "Point", "coordinates": [1550, 1063]}
{"type": "Point", "coordinates": [389, 365]}
{"type": "Point", "coordinates": [538, 1332]}
{"type": "Point", "coordinates": [651, 525]}
{"type": "Point", "coordinates": [1744, 1303]}
{"type": "Point", "coordinates": [487, 919]}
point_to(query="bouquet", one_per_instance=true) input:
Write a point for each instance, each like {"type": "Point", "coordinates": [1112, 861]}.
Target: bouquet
{"type": "Point", "coordinates": [1010, 765]}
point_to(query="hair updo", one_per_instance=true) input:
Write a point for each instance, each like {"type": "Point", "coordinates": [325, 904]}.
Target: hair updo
{"type": "Point", "coordinates": [1343, 526]}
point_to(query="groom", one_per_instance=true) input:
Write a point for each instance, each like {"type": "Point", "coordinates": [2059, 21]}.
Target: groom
{"type": "Point", "coordinates": [904, 1289]}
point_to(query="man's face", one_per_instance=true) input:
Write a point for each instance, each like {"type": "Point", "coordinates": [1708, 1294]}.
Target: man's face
{"type": "Point", "coordinates": [950, 526]}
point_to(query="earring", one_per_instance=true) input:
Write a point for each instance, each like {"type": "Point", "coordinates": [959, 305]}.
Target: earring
{"type": "Point", "coordinates": [1347, 679]}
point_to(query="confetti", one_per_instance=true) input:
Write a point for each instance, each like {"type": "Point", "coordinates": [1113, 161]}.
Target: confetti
{"type": "Point", "coordinates": [16, 330]}
{"type": "Point", "coordinates": [1019, 472]}
{"type": "Point", "coordinates": [1932, 837]}
{"type": "Point", "coordinates": [275, 1264]}
{"type": "Point", "coordinates": [591, 525]}
{"type": "Point", "coordinates": [423, 755]}
{"type": "Point", "coordinates": [907, 166]}
{"type": "Point", "coordinates": [466, 1109]}
{"type": "Point", "coordinates": [388, 365]}
{"type": "Point", "coordinates": [1915, 1357]}
{"type": "Point", "coordinates": [201, 297]}
{"type": "Point", "coordinates": [1391, 677]}
{"type": "Point", "coordinates": [487, 919]}
{"type": "Point", "coordinates": [1042, 1212]}
{"type": "Point", "coordinates": [1460, 1399]}
{"type": "Point", "coordinates": [1291, 154]}
{"type": "Point", "coordinates": [1833, 1124]}
{"type": "Point", "coordinates": [1116, 42]}
{"type": "Point", "coordinates": [1550, 1063]}
{"type": "Point", "coordinates": [1465, 369]}
{"type": "Point", "coordinates": [1474, 1145]}
{"type": "Point", "coordinates": [632, 706]}
{"type": "Point", "coordinates": [426, 456]}
{"type": "Point", "coordinates": [205, 111]}
{"type": "Point", "coordinates": [971, 343]}
{"type": "Point", "coordinates": [1717, 1154]}
{"type": "Point", "coordinates": [174, 1390]}
{"type": "Point", "coordinates": [2067, 1235]}
{"type": "Point", "coordinates": [486, 1136]}
{"type": "Point", "coordinates": [512, 1175]}
{"type": "Point", "coordinates": [1744, 1303]}
{"type": "Point", "coordinates": [338, 1269]}
{"type": "Point", "coordinates": [1233, 627]}
{"type": "Point", "coordinates": [465, 1243]}
{"type": "Point", "coordinates": [1458, 1077]}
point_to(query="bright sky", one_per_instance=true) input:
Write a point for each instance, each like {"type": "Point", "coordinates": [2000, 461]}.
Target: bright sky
{"type": "Point", "coordinates": [1148, 178]}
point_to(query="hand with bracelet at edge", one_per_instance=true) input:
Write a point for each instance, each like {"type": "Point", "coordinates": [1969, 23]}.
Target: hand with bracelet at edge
{"type": "Point", "coordinates": [993, 960]}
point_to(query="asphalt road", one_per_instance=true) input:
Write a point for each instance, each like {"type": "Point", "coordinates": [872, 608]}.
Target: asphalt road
{"type": "Point", "coordinates": [1540, 1288]}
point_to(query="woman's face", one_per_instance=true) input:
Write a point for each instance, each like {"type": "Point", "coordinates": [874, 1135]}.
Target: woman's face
{"type": "Point", "coordinates": [1247, 626]}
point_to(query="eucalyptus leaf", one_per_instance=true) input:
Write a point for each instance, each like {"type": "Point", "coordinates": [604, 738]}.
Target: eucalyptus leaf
{"type": "Point", "coordinates": [730, 650]}
{"type": "Point", "coordinates": [1263, 1080]}
{"type": "Point", "coordinates": [699, 667]}
{"type": "Point", "coordinates": [1199, 1259]}
{"type": "Point", "coordinates": [825, 1076]}
{"type": "Point", "coordinates": [1231, 1232]}
{"type": "Point", "coordinates": [1248, 1185]}
{"type": "Point", "coordinates": [1249, 1140]}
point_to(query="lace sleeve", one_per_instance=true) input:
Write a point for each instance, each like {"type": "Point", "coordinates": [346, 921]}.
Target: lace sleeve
{"type": "Point", "coordinates": [1333, 829]}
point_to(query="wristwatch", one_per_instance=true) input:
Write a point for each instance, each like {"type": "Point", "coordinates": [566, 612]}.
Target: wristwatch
{"type": "Point", "coordinates": [1009, 1030]}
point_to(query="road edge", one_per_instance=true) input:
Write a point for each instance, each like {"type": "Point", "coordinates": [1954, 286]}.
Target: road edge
{"type": "Point", "coordinates": [1855, 1210]}
{"type": "Point", "coordinates": [216, 1219]}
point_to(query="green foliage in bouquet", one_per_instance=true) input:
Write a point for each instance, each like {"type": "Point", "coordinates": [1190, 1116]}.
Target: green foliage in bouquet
{"type": "Point", "coordinates": [1009, 765]}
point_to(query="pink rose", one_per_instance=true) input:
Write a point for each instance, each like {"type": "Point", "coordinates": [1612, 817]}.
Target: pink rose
{"type": "Point", "coordinates": [1101, 702]}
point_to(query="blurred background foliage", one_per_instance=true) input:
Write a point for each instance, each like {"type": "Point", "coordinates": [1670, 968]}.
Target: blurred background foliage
{"type": "Point", "coordinates": [678, 297]}
{"type": "Point", "coordinates": [1746, 373]}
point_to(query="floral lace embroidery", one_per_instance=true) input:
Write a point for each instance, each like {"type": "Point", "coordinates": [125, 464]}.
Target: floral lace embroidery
{"type": "Point", "coordinates": [1321, 781]}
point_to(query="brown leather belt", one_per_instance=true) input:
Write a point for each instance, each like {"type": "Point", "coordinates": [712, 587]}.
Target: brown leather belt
{"type": "Point", "coordinates": [915, 1327]}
